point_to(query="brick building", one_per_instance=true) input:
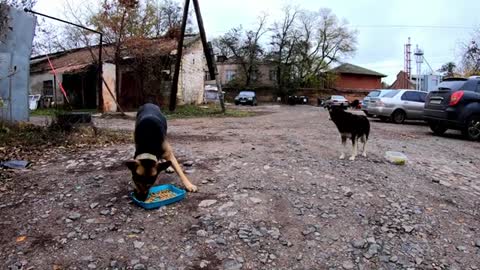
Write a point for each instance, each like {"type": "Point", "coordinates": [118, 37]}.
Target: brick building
{"type": "Point", "coordinates": [355, 82]}
{"type": "Point", "coordinates": [402, 82]}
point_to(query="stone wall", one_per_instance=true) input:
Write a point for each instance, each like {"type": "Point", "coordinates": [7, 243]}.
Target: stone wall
{"type": "Point", "coordinates": [191, 83]}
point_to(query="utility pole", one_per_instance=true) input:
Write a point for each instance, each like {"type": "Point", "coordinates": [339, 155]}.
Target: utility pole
{"type": "Point", "coordinates": [207, 49]}
{"type": "Point", "coordinates": [178, 62]}
{"type": "Point", "coordinates": [208, 52]}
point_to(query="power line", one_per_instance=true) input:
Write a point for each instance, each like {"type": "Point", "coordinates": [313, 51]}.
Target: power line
{"type": "Point", "coordinates": [414, 26]}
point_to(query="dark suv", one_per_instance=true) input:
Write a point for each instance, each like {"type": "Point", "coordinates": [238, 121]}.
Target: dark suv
{"type": "Point", "coordinates": [455, 105]}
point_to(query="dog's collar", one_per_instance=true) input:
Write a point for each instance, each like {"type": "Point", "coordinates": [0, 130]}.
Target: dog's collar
{"type": "Point", "coordinates": [147, 156]}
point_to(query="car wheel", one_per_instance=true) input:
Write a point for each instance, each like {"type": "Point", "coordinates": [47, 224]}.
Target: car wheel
{"type": "Point", "coordinates": [472, 131]}
{"type": "Point", "coordinates": [398, 117]}
{"type": "Point", "coordinates": [437, 128]}
{"type": "Point", "coordinates": [236, 103]}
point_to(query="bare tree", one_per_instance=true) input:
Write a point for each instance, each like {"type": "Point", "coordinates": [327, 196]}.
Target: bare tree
{"type": "Point", "coordinates": [245, 47]}
{"type": "Point", "coordinates": [20, 4]}
{"type": "Point", "coordinates": [324, 40]}
{"type": "Point", "coordinates": [283, 40]}
{"type": "Point", "coordinates": [470, 63]}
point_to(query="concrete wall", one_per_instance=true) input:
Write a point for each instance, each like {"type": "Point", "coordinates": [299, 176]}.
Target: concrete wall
{"type": "Point", "coordinates": [109, 104]}
{"type": "Point", "coordinates": [16, 47]}
{"type": "Point", "coordinates": [191, 82]}
{"type": "Point", "coordinates": [36, 85]}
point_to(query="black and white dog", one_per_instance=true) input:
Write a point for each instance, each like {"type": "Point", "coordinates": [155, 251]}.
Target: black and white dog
{"type": "Point", "coordinates": [351, 126]}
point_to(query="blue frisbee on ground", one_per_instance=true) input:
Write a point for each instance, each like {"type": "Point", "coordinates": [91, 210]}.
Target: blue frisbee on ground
{"type": "Point", "coordinates": [176, 193]}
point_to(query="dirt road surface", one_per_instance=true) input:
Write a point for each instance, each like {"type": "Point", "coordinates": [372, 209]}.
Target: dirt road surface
{"type": "Point", "coordinates": [273, 195]}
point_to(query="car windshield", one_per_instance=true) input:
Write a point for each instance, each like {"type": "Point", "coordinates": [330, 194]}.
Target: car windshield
{"type": "Point", "coordinates": [247, 94]}
{"type": "Point", "coordinates": [338, 97]}
{"type": "Point", "coordinates": [451, 85]}
{"type": "Point", "coordinates": [391, 94]}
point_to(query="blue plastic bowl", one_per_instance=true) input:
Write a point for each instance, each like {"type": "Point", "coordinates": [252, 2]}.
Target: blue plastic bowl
{"type": "Point", "coordinates": [180, 195]}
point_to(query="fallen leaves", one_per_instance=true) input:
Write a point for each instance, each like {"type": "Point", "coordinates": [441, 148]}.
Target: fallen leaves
{"type": "Point", "coordinates": [21, 239]}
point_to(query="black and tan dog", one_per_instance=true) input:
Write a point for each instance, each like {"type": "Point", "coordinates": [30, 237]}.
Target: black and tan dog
{"type": "Point", "coordinates": [351, 126]}
{"type": "Point", "coordinates": [151, 147]}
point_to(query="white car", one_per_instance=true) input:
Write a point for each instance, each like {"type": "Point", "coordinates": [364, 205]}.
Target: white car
{"type": "Point", "coordinates": [336, 101]}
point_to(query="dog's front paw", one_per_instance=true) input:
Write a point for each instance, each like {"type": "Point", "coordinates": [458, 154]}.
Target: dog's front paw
{"type": "Point", "coordinates": [352, 158]}
{"type": "Point", "coordinates": [364, 154]}
{"type": "Point", "coordinates": [191, 188]}
{"type": "Point", "coordinates": [342, 156]}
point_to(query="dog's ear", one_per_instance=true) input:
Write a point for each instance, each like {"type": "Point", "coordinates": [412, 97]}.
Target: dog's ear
{"type": "Point", "coordinates": [132, 164]}
{"type": "Point", "coordinates": [161, 166]}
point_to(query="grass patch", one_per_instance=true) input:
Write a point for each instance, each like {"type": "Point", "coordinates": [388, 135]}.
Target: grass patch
{"type": "Point", "coordinates": [181, 112]}
{"type": "Point", "coordinates": [53, 111]}
{"type": "Point", "coordinates": [192, 111]}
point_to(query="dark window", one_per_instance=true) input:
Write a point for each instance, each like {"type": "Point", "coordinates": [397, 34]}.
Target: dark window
{"type": "Point", "coordinates": [451, 85]}
{"type": "Point", "coordinates": [422, 96]}
{"type": "Point", "coordinates": [47, 88]}
{"type": "Point", "coordinates": [413, 96]}
{"type": "Point", "coordinates": [478, 87]}
{"type": "Point", "coordinates": [272, 75]}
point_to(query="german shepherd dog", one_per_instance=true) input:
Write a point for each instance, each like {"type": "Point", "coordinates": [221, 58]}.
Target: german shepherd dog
{"type": "Point", "coordinates": [351, 126]}
{"type": "Point", "coordinates": [152, 147]}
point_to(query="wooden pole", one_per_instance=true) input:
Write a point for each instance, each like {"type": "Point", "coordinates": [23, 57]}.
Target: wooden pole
{"type": "Point", "coordinates": [203, 36]}
{"type": "Point", "coordinates": [176, 74]}
{"type": "Point", "coordinates": [207, 49]}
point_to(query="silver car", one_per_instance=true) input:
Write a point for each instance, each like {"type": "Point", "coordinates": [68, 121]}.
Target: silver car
{"type": "Point", "coordinates": [373, 94]}
{"type": "Point", "coordinates": [398, 105]}
{"type": "Point", "coordinates": [336, 101]}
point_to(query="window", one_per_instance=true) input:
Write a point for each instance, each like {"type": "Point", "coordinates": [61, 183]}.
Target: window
{"type": "Point", "coordinates": [230, 75]}
{"type": "Point", "coordinates": [374, 94]}
{"type": "Point", "coordinates": [254, 76]}
{"type": "Point", "coordinates": [451, 85]}
{"type": "Point", "coordinates": [47, 88]}
{"type": "Point", "coordinates": [391, 94]}
{"type": "Point", "coordinates": [272, 75]}
{"type": "Point", "coordinates": [478, 87]}
{"type": "Point", "coordinates": [423, 96]}
{"type": "Point", "coordinates": [414, 96]}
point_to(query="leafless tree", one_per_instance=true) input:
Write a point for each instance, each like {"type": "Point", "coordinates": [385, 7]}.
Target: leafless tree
{"type": "Point", "coordinates": [245, 47]}
{"type": "Point", "coordinates": [470, 63]}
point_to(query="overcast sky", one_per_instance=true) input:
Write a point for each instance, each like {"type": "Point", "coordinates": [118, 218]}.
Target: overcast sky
{"type": "Point", "coordinates": [379, 48]}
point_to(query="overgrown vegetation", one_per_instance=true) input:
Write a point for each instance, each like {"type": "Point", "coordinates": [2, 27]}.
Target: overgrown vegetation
{"type": "Point", "coordinates": [191, 111]}
{"type": "Point", "coordinates": [186, 111]}
{"type": "Point", "coordinates": [26, 141]}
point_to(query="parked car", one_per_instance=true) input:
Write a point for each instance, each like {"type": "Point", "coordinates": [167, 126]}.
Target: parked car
{"type": "Point", "coordinates": [336, 101]}
{"type": "Point", "coordinates": [455, 104]}
{"type": "Point", "coordinates": [374, 93]}
{"type": "Point", "coordinates": [292, 100]}
{"type": "Point", "coordinates": [246, 97]}
{"type": "Point", "coordinates": [398, 105]}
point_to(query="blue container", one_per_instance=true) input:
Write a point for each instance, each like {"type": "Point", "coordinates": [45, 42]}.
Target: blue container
{"type": "Point", "coordinates": [180, 195]}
